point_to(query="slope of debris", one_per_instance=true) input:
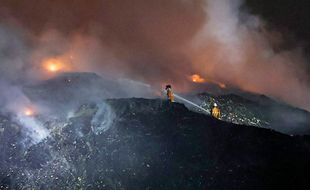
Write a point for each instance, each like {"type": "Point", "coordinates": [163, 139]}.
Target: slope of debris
{"type": "Point", "coordinates": [150, 144]}
{"type": "Point", "coordinates": [259, 111]}
{"type": "Point", "coordinates": [69, 90]}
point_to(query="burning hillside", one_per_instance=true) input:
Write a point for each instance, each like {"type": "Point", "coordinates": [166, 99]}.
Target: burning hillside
{"type": "Point", "coordinates": [198, 79]}
{"type": "Point", "coordinates": [69, 90]}
{"type": "Point", "coordinates": [75, 77]}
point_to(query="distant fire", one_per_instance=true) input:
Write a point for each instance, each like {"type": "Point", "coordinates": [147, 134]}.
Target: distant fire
{"type": "Point", "coordinates": [197, 79]}
{"type": "Point", "coordinates": [53, 65]}
{"type": "Point", "coordinates": [28, 112]}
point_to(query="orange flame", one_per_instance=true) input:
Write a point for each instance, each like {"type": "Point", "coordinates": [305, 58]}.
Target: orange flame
{"type": "Point", "coordinates": [197, 79]}
{"type": "Point", "coordinates": [53, 65]}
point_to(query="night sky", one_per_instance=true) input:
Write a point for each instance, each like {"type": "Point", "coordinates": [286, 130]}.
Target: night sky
{"type": "Point", "coordinates": [291, 17]}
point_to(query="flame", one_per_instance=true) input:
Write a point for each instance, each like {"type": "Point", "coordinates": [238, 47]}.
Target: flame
{"type": "Point", "coordinates": [197, 79]}
{"type": "Point", "coordinates": [53, 68]}
{"type": "Point", "coordinates": [53, 65]}
{"type": "Point", "coordinates": [28, 112]}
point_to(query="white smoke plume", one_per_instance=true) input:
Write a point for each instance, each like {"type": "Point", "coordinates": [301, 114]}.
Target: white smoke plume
{"type": "Point", "coordinates": [103, 118]}
{"type": "Point", "coordinates": [13, 71]}
{"type": "Point", "coordinates": [234, 47]}
{"type": "Point", "coordinates": [35, 132]}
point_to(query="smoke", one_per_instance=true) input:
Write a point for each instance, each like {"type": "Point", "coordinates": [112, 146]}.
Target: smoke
{"type": "Point", "coordinates": [156, 42]}
{"type": "Point", "coordinates": [34, 131]}
{"type": "Point", "coordinates": [234, 47]}
{"type": "Point", "coordinates": [13, 72]}
{"type": "Point", "coordinates": [103, 118]}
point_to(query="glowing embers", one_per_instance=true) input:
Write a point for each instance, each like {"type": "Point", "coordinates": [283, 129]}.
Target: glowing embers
{"type": "Point", "coordinates": [197, 79]}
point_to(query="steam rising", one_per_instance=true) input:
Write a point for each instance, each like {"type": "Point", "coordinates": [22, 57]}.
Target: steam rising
{"type": "Point", "coordinates": [35, 132]}
{"type": "Point", "coordinates": [103, 118]}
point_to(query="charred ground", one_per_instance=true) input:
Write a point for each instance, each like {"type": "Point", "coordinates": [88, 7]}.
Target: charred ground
{"type": "Point", "coordinates": [154, 145]}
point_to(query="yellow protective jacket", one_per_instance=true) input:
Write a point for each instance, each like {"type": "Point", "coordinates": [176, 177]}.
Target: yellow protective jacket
{"type": "Point", "coordinates": [216, 112]}
{"type": "Point", "coordinates": [170, 95]}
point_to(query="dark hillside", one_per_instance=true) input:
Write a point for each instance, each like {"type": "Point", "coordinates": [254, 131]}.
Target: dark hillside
{"type": "Point", "coordinates": [156, 145]}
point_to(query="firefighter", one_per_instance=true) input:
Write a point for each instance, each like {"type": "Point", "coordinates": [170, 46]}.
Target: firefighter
{"type": "Point", "coordinates": [169, 92]}
{"type": "Point", "coordinates": [215, 111]}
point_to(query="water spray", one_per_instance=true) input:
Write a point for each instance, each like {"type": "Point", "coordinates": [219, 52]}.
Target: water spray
{"type": "Point", "coordinates": [191, 103]}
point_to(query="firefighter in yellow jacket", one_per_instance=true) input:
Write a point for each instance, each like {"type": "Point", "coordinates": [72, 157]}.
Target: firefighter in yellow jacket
{"type": "Point", "coordinates": [215, 111]}
{"type": "Point", "coordinates": [169, 92]}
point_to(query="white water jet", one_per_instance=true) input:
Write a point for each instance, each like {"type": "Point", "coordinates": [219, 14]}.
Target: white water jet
{"type": "Point", "coordinates": [191, 103]}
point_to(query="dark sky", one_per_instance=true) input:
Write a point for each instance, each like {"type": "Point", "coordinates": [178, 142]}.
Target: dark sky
{"type": "Point", "coordinates": [285, 15]}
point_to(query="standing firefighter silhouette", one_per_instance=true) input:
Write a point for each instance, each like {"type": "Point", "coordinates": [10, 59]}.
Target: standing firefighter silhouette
{"type": "Point", "coordinates": [215, 111]}
{"type": "Point", "coordinates": [169, 92]}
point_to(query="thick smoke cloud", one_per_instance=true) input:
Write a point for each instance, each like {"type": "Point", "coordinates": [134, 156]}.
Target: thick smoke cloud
{"type": "Point", "coordinates": [234, 47]}
{"type": "Point", "coordinates": [159, 41]}
{"type": "Point", "coordinates": [13, 57]}
{"type": "Point", "coordinates": [145, 35]}
{"type": "Point", "coordinates": [13, 72]}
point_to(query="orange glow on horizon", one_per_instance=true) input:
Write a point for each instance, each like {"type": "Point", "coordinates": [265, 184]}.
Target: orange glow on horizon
{"type": "Point", "coordinates": [54, 65]}
{"type": "Point", "coordinates": [197, 79]}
